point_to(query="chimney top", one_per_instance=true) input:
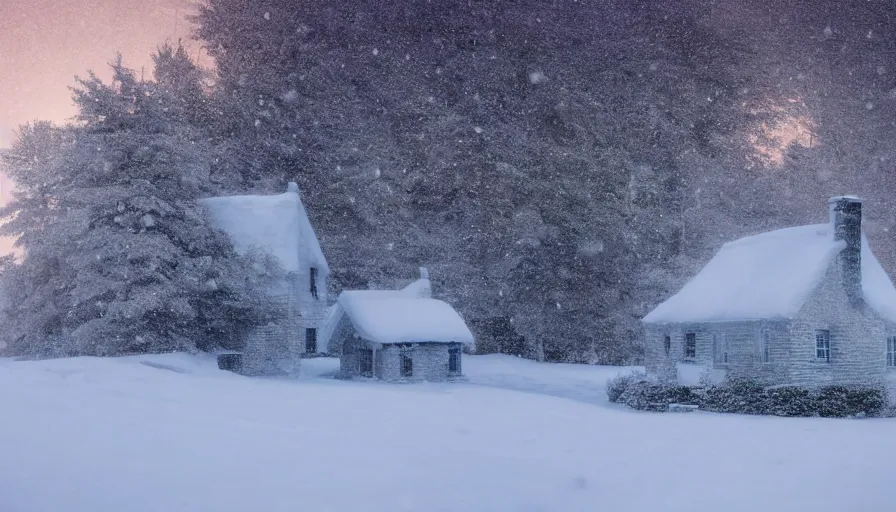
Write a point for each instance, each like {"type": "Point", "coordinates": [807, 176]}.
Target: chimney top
{"type": "Point", "coordinates": [846, 223]}
{"type": "Point", "coordinates": [293, 187]}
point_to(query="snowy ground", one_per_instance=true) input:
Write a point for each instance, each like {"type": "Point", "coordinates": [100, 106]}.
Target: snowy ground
{"type": "Point", "coordinates": [173, 433]}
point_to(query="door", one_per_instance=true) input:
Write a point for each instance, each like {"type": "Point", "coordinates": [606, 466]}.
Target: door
{"type": "Point", "coordinates": [365, 361]}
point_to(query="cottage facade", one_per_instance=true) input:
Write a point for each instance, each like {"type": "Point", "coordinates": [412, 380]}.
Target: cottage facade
{"type": "Point", "coordinates": [399, 335]}
{"type": "Point", "coordinates": [279, 225]}
{"type": "Point", "coordinates": [807, 306]}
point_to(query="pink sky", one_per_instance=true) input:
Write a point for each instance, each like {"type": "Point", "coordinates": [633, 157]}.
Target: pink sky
{"type": "Point", "coordinates": [45, 43]}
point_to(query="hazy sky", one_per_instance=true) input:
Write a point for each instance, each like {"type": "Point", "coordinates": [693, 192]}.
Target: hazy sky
{"type": "Point", "coordinates": [45, 43]}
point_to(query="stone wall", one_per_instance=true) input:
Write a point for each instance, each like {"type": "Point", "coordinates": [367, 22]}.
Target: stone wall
{"type": "Point", "coordinates": [858, 338]}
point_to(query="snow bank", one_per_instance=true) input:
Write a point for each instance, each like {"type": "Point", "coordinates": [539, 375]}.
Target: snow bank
{"type": "Point", "coordinates": [108, 435]}
{"type": "Point", "coordinates": [404, 319]}
{"type": "Point", "coordinates": [278, 224]}
{"type": "Point", "coordinates": [770, 276]}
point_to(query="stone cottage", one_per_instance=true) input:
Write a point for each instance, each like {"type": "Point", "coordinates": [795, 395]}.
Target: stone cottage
{"type": "Point", "coordinates": [279, 225]}
{"type": "Point", "coordinates": [398, 335]}
{"type": "Point", "coordinates": [807, 306]}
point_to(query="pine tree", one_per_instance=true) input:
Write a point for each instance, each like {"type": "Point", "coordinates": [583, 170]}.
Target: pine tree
{"type": "Point", "coordinates": [120, 252]}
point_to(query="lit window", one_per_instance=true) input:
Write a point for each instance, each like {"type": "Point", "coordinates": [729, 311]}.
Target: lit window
{"type": "Point", "coordinates": [823, 345]}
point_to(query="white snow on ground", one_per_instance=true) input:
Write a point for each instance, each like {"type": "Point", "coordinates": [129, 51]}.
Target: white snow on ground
{"type": "Point", "coordinates": [173, 433]}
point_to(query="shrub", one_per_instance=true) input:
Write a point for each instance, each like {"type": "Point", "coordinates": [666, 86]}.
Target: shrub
{"type": "Point", "coordinates": [649, 396]}
{"type": "Point", "coordinates": [618, 384]}
{"type": "Point", "coordinates": [739, 396]}
{"type": "Point", "coordinates": [789, 401]}
{"type": "Point", "coordinates": [747, 397]}
{"type": "Point", "coordinates": [841, 401]}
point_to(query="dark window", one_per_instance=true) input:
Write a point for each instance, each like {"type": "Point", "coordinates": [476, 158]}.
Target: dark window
{"type": "Point", "coordinates": [407, 365]}
{"type": "Point", "coordinates": [690, 345]}
{"type": "Point", "coordinates": [667, 344]}
{"type": "Point", "coordinates": [313, 280]}
{"type": "Point", "coordinates": [311, 341]}
{"type": "Point", "coordinates": [454, 360]}
{"type": "Point", "coordinates": [823, 345]}
{"type": "Point", "coordinates": [891, 351]}
{"type": "Point", "coordinates": [365, 358]}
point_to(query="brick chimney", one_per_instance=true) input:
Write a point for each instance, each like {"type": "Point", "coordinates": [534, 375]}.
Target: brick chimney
{"type": "Point", "coordinates": [846, 220]}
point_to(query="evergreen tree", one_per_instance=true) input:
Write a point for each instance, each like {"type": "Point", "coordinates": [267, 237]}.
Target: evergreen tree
{"type": "Point", "coordinates": [119, 252]}
{"type": "Point", "coordinates": [523, 150]}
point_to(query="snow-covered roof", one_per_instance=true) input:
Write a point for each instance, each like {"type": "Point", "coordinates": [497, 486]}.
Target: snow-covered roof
{"type": "Point", "coordinates": [275, 223]}
{"type": "Point", "coordinates": [421, 288]}
{"type": "Point", "coordinates": [770, 276]}
{"type": "Point", "coordinates": [396, 319]}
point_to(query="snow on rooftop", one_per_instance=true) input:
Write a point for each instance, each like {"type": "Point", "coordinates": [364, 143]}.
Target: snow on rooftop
{"type": "Point", "coordinates": [421, 288]}
{"type": "Point", "coordinates": [276, 223]}
{"type": "Point", "coordinates": [397, 319]}
{"type": "Point", "coordinates": [770, 276]}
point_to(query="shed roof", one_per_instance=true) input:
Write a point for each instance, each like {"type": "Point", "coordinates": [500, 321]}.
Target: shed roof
{"type": "Point", "coordinates": [771, 276]}
{"type": "Point", "coordinates": [277, 223]}
{"type": "Point", "coordinates": [396, 319]}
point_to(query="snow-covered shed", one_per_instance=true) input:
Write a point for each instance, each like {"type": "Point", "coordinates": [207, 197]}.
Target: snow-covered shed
{"type": "Point", "coordinates": [399, 335]}
{"type": "Point", "coordinates": [807, 305]}
{"type": "Point", "coordinates": [279, 225]}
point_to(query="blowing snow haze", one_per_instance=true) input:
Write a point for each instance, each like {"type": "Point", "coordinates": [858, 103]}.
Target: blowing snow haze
{"type": "Point", "coordinates": [254, 226]}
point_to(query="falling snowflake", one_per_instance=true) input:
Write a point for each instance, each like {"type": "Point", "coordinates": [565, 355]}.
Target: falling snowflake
{"type": "Point", "coordinates": [537, 77]}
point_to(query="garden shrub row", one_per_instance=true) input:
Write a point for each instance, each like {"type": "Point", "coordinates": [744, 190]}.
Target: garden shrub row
{"type": "Point", "coordinates": [745, 397]}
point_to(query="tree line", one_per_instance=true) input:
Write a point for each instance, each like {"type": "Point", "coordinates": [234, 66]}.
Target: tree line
{"type": "Point", "coordinates": [560, 166]}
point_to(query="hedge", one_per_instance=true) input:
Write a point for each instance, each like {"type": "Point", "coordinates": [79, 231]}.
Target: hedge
{"type": "Point", "coordinates": [746, 397]}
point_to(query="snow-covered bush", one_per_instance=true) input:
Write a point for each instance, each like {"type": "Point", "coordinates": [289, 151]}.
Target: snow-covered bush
{"type": "Point", "coordinates": [654, 396]}
{"type": "Point", "coordinates": [620, 383]}
{"type": "Point", "coordinates": [789, 401]}
{"type": "Point", "coordinates": [842, 401]}
{"type": "Point", "coordinates": [747, 397]}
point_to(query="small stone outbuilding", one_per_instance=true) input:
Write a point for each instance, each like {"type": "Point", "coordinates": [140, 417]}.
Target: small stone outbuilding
{"type": "Point", "coordinates": [401, 335]}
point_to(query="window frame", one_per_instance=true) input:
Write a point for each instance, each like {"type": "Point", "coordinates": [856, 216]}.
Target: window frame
{"type": "Point", "coordinates": [823, 345]}
{"type": "Point", "coordinates": [891, 352]}
{"type": "Point", "coordinates": [310, 340]}
{"type": "Point", "coordinates": [405, 363]}
{"type": "Point", "coordinates": [454, 357]}
{"type": "Point", "coordinates": [312, 283]}
{"type": "Point", "coordinates": [365, 355]}
{"type": "Point", "coordinates": [765, 355]}
{"type": "Point", "coordinates": [690, 342]}
{"type": "Point", "coordinates": [719, 349]}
